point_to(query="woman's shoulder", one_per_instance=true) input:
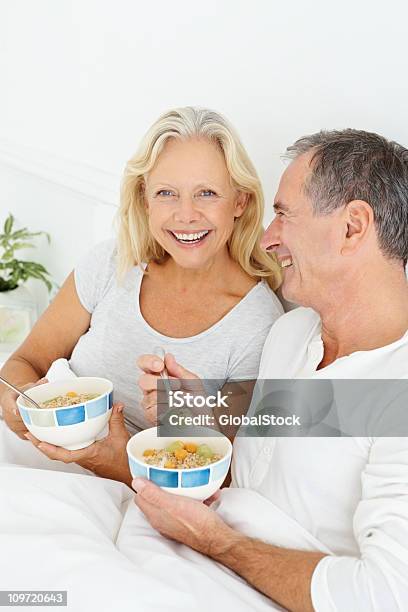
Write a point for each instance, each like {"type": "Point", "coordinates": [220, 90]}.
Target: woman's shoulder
{"type": "Point", "coordinates": [102, 258]}
{"type": "Point", "coordinates": [103, 251]}
{"type": "Point", "coordinates": [94, 273]}
{"type": "Point", "coordinates": [253, 317]}
{"type": "Point", "coordinates": [261, 302]}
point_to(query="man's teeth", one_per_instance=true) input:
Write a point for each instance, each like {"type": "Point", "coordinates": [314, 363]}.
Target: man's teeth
{"type": "Point", "coordinates": [286, 262]}
{"type": "Point", "coordinates": [190, 237]}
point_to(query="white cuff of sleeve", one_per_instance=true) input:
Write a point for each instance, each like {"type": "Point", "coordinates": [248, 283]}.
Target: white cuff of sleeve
{"type": "Point", "coordinates": [319, 589]}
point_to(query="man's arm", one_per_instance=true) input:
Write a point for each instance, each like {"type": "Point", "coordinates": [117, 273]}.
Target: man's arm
{"type": "Point", "coordinates": [283, 575]}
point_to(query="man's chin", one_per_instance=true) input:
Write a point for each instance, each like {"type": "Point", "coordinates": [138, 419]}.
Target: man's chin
{"type": "Point", "coordinates": [289, 293]}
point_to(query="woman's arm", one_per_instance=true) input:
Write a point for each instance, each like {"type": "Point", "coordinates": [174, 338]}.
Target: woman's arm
{"type": "Point", "coordinates": [54, 335]}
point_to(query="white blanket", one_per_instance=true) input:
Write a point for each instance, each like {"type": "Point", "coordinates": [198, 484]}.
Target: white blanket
{"type": "Point", "coordinates": [85, 535]}
{"type": "Point", "coordinates": [63, 528]}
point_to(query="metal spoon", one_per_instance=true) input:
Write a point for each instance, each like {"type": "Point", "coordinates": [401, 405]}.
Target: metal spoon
{"type": "Point", "coordinates": [163, 374]}
{"type": "Point", "coordinates": [17, 390]}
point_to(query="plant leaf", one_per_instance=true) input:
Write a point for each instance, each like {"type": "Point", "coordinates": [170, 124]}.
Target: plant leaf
{"type": "Point", "coordinates": [21, 233]}
{"type": "Point", "coordinates": [17, 271]}
{"type": "Point", "coordinates": [8, 224]}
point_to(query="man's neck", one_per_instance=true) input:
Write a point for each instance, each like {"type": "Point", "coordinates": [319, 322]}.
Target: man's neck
{"type": "Point", "coordinates": [373, 315]}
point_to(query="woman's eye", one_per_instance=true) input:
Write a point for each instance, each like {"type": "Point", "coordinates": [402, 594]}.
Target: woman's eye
{"type": "Point", "coordinates": [206, 193]}
{"type": "Point", "coordinates": [165, 192]}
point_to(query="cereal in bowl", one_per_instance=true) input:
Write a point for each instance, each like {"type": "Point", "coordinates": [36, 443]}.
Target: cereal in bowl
{"type": "Point", "coordinates": [69, 399]}
{"type": "Point", "coordinates": [181, 455]}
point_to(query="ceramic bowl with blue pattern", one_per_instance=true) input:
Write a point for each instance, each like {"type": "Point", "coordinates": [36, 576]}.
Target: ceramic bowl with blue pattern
{"type": "Point", "coordinates": [198, 483]}
{"type": "Point", "coordinates": [71, 427]}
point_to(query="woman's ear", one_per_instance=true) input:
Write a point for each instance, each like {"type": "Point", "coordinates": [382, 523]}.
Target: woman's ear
{"type": "Point", "coordinates": [359, 221]}
{"type": "Point", "coordinates": [241, 202]}
{"type": "Point", "coordinates": [142, 193]}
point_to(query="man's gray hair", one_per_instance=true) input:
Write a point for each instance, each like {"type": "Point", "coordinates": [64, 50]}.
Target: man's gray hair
{"type": "Point", "coordinates": [352, 165]}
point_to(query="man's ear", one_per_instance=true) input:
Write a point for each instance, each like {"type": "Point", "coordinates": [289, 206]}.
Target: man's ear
{"type": "Point", "coordinates": [241, 203]}
{"type": "Point", "coordinates": [359, 222]}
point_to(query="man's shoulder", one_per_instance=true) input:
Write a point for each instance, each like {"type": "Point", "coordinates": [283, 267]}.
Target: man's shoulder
{"type": "Point", "coordinates": [293, 328]}
{"type": "Point", "coordinates": [287, 341]}
{"type": "Point", "coordinates": [300, 319]}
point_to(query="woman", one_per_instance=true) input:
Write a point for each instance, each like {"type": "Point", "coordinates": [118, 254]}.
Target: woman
{"type": "Point", "coordinates": [186, 274]}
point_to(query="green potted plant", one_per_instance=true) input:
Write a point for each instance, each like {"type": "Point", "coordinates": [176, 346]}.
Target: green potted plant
{"type": "Point", "coordinates": [18, 309]}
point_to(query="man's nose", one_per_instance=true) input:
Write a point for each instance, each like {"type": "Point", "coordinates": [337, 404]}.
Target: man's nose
{"type": "Point", "coordinates": [187, 210]}
{"type": "Point", "coordinates": [271, 240]}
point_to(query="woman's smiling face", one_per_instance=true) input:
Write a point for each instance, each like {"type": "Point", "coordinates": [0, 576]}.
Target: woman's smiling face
{"type": "Point", "coordinates": [191, 203]}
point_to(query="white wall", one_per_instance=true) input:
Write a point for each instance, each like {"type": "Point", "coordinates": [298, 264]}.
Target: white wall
{"type": "Point", "coordinates": [81, 80]}
{"type": "Point", "coordinates": [74, 220]}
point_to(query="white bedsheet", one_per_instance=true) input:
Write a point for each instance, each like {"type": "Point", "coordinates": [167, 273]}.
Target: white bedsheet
{"type": "Point", "coordinates": [63, 528]}
{"type": "Point", "coordinates": [85, 535]}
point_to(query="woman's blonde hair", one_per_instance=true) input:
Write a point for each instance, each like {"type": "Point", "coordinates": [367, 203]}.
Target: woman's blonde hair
{"type": "Point", "coordinates": [137, 245]}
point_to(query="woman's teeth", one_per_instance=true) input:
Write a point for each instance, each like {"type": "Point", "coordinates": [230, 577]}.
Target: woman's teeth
{"type": "Point", "coordinates": [285, 263]}
{"type": "Point", "coordinates": [190, 238]}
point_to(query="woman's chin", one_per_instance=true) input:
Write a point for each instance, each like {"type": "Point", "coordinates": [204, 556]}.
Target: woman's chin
{"type": "Point", "coordinates": [192, 263]}
{"type": "Point", "coordinates": [194, 257]}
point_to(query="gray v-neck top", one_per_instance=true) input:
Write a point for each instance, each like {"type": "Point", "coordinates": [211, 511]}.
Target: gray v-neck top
{"type": "Point", "coordinates": [118, 334]}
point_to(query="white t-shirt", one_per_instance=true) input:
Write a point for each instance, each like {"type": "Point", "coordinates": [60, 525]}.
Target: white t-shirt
{"type": "Point", "coordinates": [118, 334]}
{"type": "Point", "coordinates": [350, 493]}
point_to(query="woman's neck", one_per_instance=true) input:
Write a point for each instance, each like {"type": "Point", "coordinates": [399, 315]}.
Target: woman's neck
{"type": "Point", "coordinates": [219, 272]}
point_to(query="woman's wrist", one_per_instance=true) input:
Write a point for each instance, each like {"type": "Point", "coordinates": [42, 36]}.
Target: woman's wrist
{"type": "Point", "coordinates": [112, 469]}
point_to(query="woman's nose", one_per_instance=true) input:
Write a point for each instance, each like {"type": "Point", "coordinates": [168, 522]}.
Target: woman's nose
{"type": "Point", "coordinates": [187, 211]}
{"type": "Point", "coordinates": [270, 240]}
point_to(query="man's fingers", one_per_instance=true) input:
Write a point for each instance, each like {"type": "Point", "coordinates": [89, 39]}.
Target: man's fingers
{"type": "Point", "coordinates": [150, 364]}
{"type": "Point", "coordinates": [152, 512]}
{"type": "Point", "coordinates": [149, 491]}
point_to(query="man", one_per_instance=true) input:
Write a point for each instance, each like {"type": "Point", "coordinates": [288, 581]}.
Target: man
{"type": "Point", "coordinates": [341, 236]}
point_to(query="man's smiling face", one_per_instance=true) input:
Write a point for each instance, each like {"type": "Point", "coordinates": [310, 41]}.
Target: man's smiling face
{"type": "Point", "coordinates": [307, 245]}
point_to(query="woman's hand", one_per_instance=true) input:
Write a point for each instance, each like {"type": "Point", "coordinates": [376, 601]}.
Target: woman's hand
{"type": "Point", "coordinates": [106, 457]}
{"type": "Point", "coordinates": [11, 414]}
{"type": "Point", "coordinates": [151, 365]}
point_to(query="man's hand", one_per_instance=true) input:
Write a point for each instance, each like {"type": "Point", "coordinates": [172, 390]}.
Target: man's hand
{"type": "Point", "coordinates": [182, 519]}
{"type": "Point", "coordinates": [106, 457]}
{"type": "Point", "coordinates": [152, 366]}
{"type": "Point", "coordinates": [283, 575]}
{"type": "Point", "coordinates": [11, 414]}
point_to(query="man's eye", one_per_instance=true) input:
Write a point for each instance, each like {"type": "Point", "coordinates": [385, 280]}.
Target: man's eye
{"type": "Point", "coordinates": [165, 192]}
{"type": "Point", "coordinates": [206, 193]}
